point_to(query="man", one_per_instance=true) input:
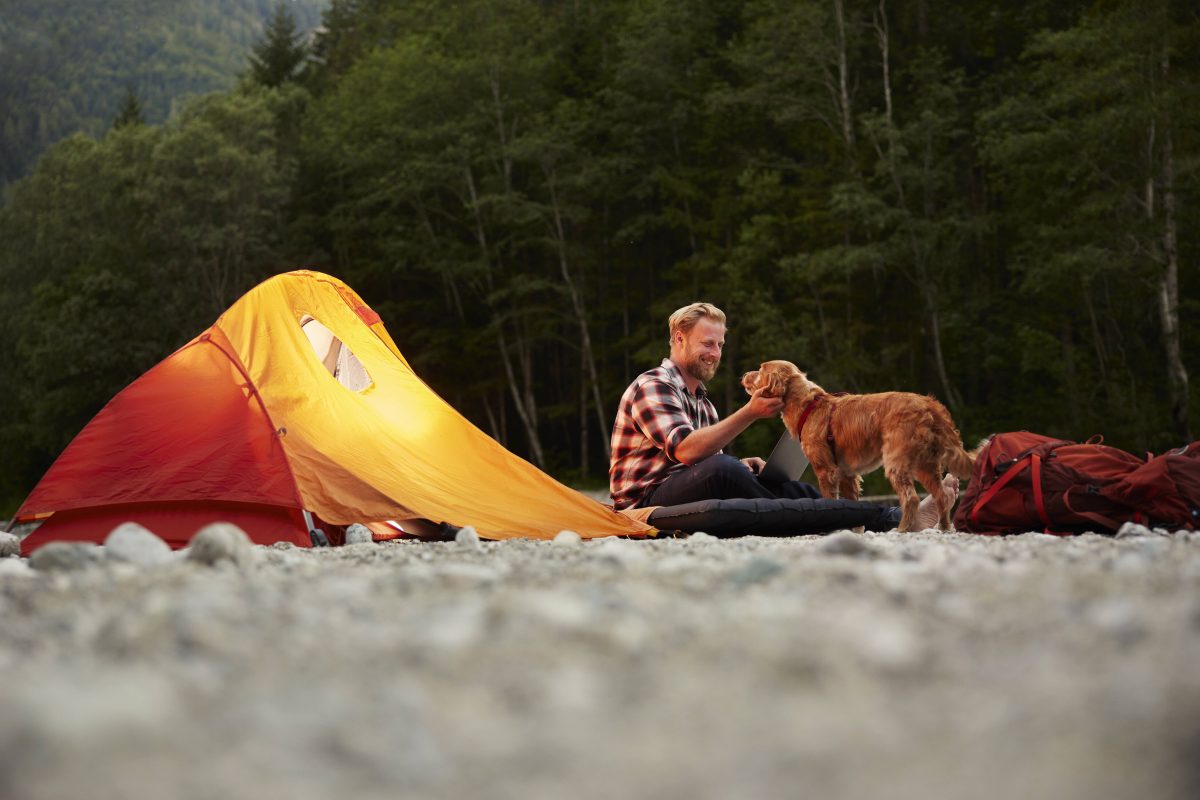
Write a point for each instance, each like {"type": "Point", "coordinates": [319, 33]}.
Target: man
{"type": "Point", "coordinates": [667, 440]}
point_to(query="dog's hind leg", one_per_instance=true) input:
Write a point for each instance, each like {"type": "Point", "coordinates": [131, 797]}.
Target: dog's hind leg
{"type": "Point", "coordinates": [902, 484]}
{"type": "Point", "coordinates": [827, 480]}
{"type": "Point", "coordinates": [932, 481]}
{"type": "Point", "coordinates": [850, 487]}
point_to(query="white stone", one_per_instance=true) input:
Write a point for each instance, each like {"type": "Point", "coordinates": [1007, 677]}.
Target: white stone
{"type": "Point", "coordinates": [460, 574]}
{"type": "Point", "coordinates": [846, 543]}
{"type": "Point", "coordinates": [468, 537]}
{"type": "Point", "coordinates": [14, 566]}
{"type": "Point", "coordinates": [891, 645]}
{"type": "Point", "coordinates": [221, 541]}
{"type": "Point", "coordinates": [358, 533]}
{"type": "Point", "coordinates": [619, 551]}
{"type": "Point", "coordinates": [66, 556]}
{"type": "Point", "coordinates": [1133, 529]}
{"type": "Point", "coordinates": [567, 539]}
{"type": "Point", "coordinates": [10, 545]}
{"type": "Point", "coordinates": [131, 543]}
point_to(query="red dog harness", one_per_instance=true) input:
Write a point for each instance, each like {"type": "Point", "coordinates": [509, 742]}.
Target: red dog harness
{"type": "Point", "coordinates": [808, 409]}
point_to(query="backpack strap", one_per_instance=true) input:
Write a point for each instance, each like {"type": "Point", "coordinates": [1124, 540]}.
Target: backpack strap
{"type": "Point", "coordinates": [1013, 471]}
{"type": "Point", "coordinates": [1107, 522]}
{"type": "Point", "coordinates": [1038, 500]}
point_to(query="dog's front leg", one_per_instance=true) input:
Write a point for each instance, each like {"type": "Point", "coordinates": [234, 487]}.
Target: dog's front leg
{"type": "Point", "coordinates": [827, 482]}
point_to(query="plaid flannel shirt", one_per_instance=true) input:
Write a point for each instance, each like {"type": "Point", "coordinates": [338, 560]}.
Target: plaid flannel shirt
{"type": "Point", "coordinates": [656, 413]}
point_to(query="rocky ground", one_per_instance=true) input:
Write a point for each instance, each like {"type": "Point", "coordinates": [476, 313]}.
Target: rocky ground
{"type": "Point", "coordinates": [891, 665]}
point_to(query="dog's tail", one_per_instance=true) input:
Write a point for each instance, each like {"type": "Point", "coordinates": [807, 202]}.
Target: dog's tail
{"type": "Point", "coordinates": [961, 462]}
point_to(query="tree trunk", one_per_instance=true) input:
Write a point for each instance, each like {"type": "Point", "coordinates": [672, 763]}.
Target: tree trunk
{"type": "Point", "coordinates": [585, 338]}
{"type": "Point", "coordinates": [923, 281]}
{"type": "Point", "coordinates": [583, 423]}
{"type": "Point", "coordinates": [935, 332]}
{"type": "Point", "coordinates": [492, 421]}
{"type": "Point", "coordinates": [883, 38]}
{"type": "Point", "coordinates": [1168, 293]}
{"type": "Point", "coordinates": [687, 206]}
{"type": "Point", "coordinates": [844, 110]}
{"type": "Point", "coordinates": [524, 400]}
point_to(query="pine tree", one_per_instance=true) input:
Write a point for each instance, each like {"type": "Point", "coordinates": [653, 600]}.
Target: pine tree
{"type": "Point", "coordinates": [130, 112]}
{"type": "Point", "coordinates": [278, 55]}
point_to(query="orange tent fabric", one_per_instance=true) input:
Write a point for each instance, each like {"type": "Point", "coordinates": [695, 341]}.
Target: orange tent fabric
{"type": "Point", "coordinates": [297, 398]}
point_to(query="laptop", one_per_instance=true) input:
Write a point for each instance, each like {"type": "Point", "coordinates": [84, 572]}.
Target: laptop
{"type": "Point", "coordinates": [787, 461]}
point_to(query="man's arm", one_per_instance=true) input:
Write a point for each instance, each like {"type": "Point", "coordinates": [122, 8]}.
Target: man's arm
{"type": "Point", "coordinates": [703, 442]}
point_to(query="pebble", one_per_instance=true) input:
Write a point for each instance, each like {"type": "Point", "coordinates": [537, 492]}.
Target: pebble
{"type": "Point", "coordinates": [102, 706]}
{"type": "Point", "coordinates": [131, 543]}
{"type": "Point", "coordinates": [558, 610]}
{"type": "Point", "coordinates": [1130, 529]}
{"type": "Point", "coordinates": [461, 574]}
{"type": "Point", "coordinates": [1120, 619]}
{"type": "Point", "coordinates": [567, 539]}
{"type": "Point", "coordinates": [66, 556]}
{"type": "Point", "coordinates": [757, 570]}
{"type": "Point", "coordinates": [454, 627]}
{"type": "Point", "coordinates": [846, 543]}
{"type": "Point", "coordinates": [10, 545]}
{"type": "Point", "coordinates": [890, 645]}
{"type": "Point", "coordinates": [14, 566]}
{"type": "Point", "coordinates": [468, 537]}
{"type": "Point", "coordinates": [358, 533]}
{"type": "Point", "coordinates": [221, 541]}
{"type": "Point", "coordinates": [700, 537]}
{"type": "Point", "coordinates": [619, 551]}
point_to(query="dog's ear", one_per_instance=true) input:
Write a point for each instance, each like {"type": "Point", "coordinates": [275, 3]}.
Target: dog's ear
{"type": "Point", "coordinates": [776, 381]}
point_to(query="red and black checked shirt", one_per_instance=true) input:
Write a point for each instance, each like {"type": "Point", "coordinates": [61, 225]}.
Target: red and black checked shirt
{"type": "Point", "coordinates": [656, 413]}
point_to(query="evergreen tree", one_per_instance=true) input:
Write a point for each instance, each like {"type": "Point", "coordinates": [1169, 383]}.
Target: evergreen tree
{"type": "Point", "coordinates": [281, 51]}
{"type": "Point", "coordinates": [130, 112]}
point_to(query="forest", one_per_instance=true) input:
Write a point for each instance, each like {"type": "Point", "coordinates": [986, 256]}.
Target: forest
{"type": "Point", "coordinates": [995, 203]}
{"type": "Point", "coordinates": [65, 65]}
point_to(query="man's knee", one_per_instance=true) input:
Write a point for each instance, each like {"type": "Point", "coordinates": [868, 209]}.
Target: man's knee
{"type": "Point", "coordinates": [725, 471]}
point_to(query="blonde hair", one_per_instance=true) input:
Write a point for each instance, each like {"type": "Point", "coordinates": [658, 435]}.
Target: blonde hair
{"type": "Point", "coordinates": [684, 319]}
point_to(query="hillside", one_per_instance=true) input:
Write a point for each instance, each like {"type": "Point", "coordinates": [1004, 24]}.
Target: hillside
{"type": "Point", "coordinates": [65, 65]}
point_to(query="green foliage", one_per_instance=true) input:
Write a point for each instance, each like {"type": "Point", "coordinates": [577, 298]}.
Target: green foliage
{"type": "Point", "coordinates": [130, 112]}
{"type": "Point", "coordinates": [66, 65]}
{"type": "Point", "coordinates": [279, 54]}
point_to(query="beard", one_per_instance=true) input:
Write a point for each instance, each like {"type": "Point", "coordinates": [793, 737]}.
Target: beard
{"type": "Point", "coordinates": [701, 371]}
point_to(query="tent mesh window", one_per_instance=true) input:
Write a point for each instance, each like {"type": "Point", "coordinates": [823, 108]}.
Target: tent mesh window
{"type": "Point", "coordinates": [335, 356]}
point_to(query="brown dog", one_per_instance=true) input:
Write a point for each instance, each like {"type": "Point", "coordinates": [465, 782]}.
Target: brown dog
{"type": "Point", "coordinates": [846, 436]}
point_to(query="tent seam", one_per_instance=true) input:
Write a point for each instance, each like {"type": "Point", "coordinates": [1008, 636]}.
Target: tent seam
{"type": "Point", "coordinates": [206, 337]}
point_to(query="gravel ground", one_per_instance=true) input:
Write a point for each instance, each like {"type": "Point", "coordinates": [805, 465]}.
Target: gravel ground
{"type": "Point", "coordinates": [859, 666]}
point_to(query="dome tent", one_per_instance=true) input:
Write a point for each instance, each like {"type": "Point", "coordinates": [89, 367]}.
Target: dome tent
{"type": "Point", "coordinates": [296, 399]}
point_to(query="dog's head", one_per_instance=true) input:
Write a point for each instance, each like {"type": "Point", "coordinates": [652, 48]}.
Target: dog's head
{"type": "Point", "coordinates": [773, 377]}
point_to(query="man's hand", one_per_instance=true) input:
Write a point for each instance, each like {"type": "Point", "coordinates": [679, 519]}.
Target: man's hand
{"type": "Point", "coordinates": [703, 442]}
{"type": "Point", "coordinates": [762, 406]}
{"type": "Point", "coordinates": [754, 464]}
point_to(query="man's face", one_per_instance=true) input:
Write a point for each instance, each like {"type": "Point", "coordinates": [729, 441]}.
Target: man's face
{"type": "Point", "coordinates": [701, 349]}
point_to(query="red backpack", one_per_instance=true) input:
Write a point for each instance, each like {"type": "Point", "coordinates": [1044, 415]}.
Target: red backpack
{"type": "Point", "coordinates": [1027, 482]}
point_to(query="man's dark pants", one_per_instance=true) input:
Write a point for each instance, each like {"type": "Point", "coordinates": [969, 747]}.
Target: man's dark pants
{"type": "Point", "coordinates": [723, 477]}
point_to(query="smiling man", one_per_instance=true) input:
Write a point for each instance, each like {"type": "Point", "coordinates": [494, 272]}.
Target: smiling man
{"type": "Point", "coordinates": [668, 438]}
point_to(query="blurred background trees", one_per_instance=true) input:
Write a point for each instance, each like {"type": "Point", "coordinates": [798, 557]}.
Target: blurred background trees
{"type": "Point", "coordinates": [995, 203]}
